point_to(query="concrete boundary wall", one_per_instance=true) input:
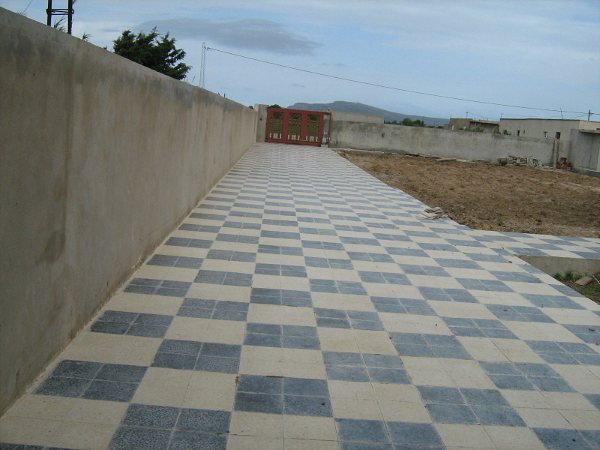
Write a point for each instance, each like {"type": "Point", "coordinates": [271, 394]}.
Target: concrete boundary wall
{"type": "Point", "coordinates": [342, 116]}
{"type": "Point", "coordinates": [99, 159]}
{"type": "Point", "coordinates": [582, 149]}
{"type": "Point", "coordinates": [553, 265]}
{"type": "Point", "coordinates": [431, 141]}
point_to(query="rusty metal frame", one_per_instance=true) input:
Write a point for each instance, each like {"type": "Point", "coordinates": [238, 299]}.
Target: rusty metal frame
{"type": "Point", "coordinates": [279, 130]}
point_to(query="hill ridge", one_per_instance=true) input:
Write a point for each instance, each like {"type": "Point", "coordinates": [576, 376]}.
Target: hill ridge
{"type": "Point", "coordinates": [344, 106]}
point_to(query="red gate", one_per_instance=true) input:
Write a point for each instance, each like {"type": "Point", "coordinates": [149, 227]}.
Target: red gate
{"type": "Point", "coordinates": [294, 126]}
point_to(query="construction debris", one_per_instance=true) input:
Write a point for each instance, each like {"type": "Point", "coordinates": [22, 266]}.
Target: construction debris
{"type": "Point", "coordinates": [434, 213]}
{"type": "Point", "coordinates": [520, 161]}
{"type": "Point", "coordinates": [563, 164]}
{"type": "Point", "coordinates": [584, 281]}
{"type": "Point", "coordinates": [517, 160]}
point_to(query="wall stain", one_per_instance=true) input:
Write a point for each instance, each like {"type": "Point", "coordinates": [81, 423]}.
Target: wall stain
{"type": "Point", "coordinates": [54, 247]}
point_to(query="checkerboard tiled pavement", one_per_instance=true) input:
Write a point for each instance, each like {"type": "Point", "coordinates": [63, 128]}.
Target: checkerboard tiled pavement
{"type": "Point", "coordinates": [304, 304]}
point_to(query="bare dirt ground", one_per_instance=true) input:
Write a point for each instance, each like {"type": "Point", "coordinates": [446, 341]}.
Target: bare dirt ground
{"type": "Point", "coordinates": [492, 197]}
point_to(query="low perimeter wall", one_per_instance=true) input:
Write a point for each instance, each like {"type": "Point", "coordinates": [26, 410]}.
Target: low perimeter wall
{"type": "Point", "coordinates": [100, 158]}
{"type": "Point", "coordinates": [582, 150]}
{"type": "Point", "coordinates": [432, 141]}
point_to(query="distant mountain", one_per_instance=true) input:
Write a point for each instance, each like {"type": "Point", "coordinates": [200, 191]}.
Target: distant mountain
{"type": "Point", "coordinates": [366, 109]}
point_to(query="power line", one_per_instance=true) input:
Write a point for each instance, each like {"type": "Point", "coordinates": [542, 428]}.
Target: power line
{"type": "Point", "coordinates": [394, 88]}
{"type": "Point", "coordinates": [549, 116]}
{"type": "Point", "coordinates": [27, 7]}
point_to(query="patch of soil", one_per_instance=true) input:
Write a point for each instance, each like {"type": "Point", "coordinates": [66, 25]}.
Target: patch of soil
{"type": "Point", "coordinates": [492, 197]}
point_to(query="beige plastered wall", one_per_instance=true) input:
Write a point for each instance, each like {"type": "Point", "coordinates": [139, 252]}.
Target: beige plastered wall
{"type": "Point", "coordinates": [100, 158]}
{"type": "Point", "coordinates": [436, 142]}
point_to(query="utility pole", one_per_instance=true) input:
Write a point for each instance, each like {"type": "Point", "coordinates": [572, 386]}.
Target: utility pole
{"type": "Point", "coordinates": [589, 114]}
{"type": "Point", "coordinates": [69, 11]}
{"type": "Point", "coordinates": [203, 66]}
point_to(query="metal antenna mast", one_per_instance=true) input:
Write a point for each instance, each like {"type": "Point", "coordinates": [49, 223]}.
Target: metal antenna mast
{"type": "Point", "coordinates": [69, 11]}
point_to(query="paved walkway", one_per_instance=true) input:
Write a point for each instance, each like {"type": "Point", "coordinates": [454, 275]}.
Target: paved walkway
{"type": "Point", "coordinates": [305, 305]}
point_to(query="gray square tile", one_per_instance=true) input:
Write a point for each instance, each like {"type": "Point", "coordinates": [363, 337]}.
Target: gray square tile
{"type": "Point", "coordinates": [382, 361]}
{"type": "Point", "coordinates": [301, 342]}
{"type": "Point", "coordinates": [217, 364]}
{"type": "Point", "coordinates": [445, 395]}
{"type": "Point", "coordinates": [524, 376]}
{"type": "Point", "coordinates": [513, 382]}
{"type": "Point", "coordinates": [222, 350]}
{"type": "Point", "coordinates": [483, 397]}
{"type": "Point", "coordinates": [174, 361]}
{"type": "Point", "coordinates": [127, 438]}
{"type": "Point", "coordinates": [203, 420]}
{"type": "Point", "coordinates": [305, 386]}
{"type": "Point", "coordinates": [63, 386]}
{"type": "Point", "coordinates": [110, 390]}
{"type": "Point", "coordinates": [193, 440]}
{"type": "Point", "coordinates": [402, 306]}
{"type": "Point", "coordinates": [263, 403]}
{"type": "Point", "coordinates": [452, 414]}
{"type": "Point", "coordinates": [343, 358]}
{"type": "Point", "coordinates": [263, 340]}
{"type": "Point", "coordinates": [260, 384]}
{"type": "Point", "coordinates": [594, 399]}
{"type": "Point", "coordinates": [367, 431]}
{"type": "Point", "coordinates": [77, 369]}
{"type": "Point", "coordinates": [298, 405]}
{"type": "Point", "coordinates": [121, 372]}
{"type": "Point", "coordinates": [415, 435]}
{"type": "Point", "coordinates": [561, 439]}
{"type": "Point", "coordinates": [497, 415]}
{"type": "Point", "coordinates": [587, 333]}
{"type": "Point", "coordinates": [151, 416]}
{"type": "Point", "coordinates": [428, 345]}
{"type": "Point", "coordinates": [552, 301]}
{"type": "Point", "coordinates": [388, 376]}
{"type": "Point", "coordinates": [191, 348]}
{"type": "Point", "coordinates": [519, 313]}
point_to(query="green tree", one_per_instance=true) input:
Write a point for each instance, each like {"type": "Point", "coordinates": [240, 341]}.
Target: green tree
{"type": "Point", "coordinates": [154, 51]}
{"type": "Point", "coordinates": [412, 123]}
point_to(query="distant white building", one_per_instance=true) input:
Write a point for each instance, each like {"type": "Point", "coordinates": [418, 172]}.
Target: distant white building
{"type": "Point", "coordinates": [576, 140]}
{"type": "Point", "coordinates": [545, 128]}
{"type": "Point", "coordinates": [485, 126]}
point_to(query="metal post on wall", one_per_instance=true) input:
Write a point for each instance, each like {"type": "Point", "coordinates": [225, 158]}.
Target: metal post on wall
{"type": "Point", "coordinates": [70, 16]}
{"type": "Point", "coordinates": [49, 13]}
{"type": "Point", "coordinates": [69, 11]}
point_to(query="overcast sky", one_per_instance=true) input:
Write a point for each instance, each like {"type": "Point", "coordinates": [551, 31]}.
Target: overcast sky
{"type": "Point", "coordinates": [542, 54]}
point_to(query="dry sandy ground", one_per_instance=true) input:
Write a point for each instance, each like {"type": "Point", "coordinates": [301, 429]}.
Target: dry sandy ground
{"type": "Point", "coordinates": [491, 197]}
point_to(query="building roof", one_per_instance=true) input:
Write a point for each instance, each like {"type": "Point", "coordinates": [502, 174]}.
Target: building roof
{"type": "Point", "coordinates": [542, 118]}
{"type": "Point", "coordinates": [489, 122]}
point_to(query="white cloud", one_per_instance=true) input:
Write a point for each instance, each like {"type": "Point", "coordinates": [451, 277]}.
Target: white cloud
{"type": "Point", "coordinates": [253, 34]}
